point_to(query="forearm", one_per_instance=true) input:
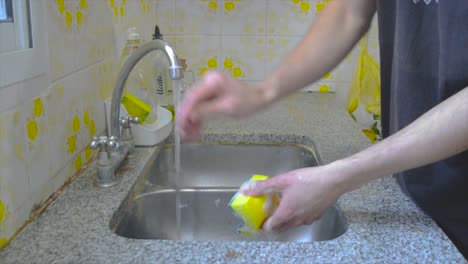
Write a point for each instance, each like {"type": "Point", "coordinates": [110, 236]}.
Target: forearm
{"type": "Point", "coordinates": [335, 32]}
{"type": "Point", "coordinates": [438, 134]}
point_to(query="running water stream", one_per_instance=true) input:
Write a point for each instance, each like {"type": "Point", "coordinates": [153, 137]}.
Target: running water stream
{"type": "Point", "coordinates": [176, 179]}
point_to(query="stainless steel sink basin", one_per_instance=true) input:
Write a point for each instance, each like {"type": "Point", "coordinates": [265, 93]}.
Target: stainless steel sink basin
{"type": "Point", "coordinates": [211, 174]}
{"type": "Point", "coordinates": [228, 165]}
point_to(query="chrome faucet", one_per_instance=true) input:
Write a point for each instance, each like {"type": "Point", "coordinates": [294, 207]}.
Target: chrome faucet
{"type": "Point", "coordinates": [114, 149]}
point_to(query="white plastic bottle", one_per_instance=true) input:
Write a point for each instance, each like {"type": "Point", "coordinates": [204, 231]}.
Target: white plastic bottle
{"type": "Point", "coordinates": [136, 82]}
{"type": "Point", "coordinates": [160, 68]}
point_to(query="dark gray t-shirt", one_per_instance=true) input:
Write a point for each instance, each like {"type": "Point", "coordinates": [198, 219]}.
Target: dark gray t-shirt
{"type": "Point", "coordinates": [424, 60]}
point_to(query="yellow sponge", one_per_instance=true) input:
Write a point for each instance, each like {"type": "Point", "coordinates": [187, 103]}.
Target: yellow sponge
{"type": "Point", "coordinates": [253, 210]}
{"type": "Point", "coordinates": [135, 107]}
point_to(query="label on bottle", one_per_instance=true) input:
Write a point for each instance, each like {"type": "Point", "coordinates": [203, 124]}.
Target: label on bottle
{"type": "Point", "coordinates": [159, 85]}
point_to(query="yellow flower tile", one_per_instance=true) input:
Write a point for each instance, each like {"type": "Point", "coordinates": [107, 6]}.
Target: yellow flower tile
{"type": "Point", "coordinates": [319, 7]}
{"type": "Point", "coordinates": [61, 6]}
{"type": "Point", "coordinates": [245, 56]}
{"type": "Point", "coordinates": [197, 17]}
{"type": "Point", "coordinates": [92, 128]}
{"type": "Point", "coordinates": [3, 242]}
{"type": "Point", "coordinates": [32, 130]}
{"type": "Point", "coordinates": [324, 88]}
{"type": "Point", "coordinates": [201, 52]}
{"type": "Point", "coordinates": [76, 124]}
{"type": "Point", "coordinates": [61, 39]}
{"type": "Point", "coordinates": [229, 6]}
{"type": "Point", "coordinates": [277, 48]}
{"type": "Point", "coordinates": [86, 117]}
{"type": "Point", "coordinates": [165, 16]}
{"type": "Point", "coordinates": [72, 144]}
{"type": "Point", "coordinates": [78, 162]}
{"type": "Point", "coordinates": [79, 18]}
{"type": "Point", "coordinates": [2, 211]}
{"type": "Point", "coordinates": [244, 17]}
{"type": "Point", "coordinates": [68, 19]}
{"type": "Point", "coordinates": [304, 6]}
{"type": "Point", "coordinates": [289, 18]}
{"type": "Point", "coordinates": [38, 107]}
{"type": "Point", "coordinates": [228, 64]}
{"type": "Point", "coordinates": [83, 4]}
{"type": "Point", "coordinates": [237, 72]}
{"type": "Point", "coordinates": [212, 63]}
{"type": "Point", "coordinates": [87, 152]}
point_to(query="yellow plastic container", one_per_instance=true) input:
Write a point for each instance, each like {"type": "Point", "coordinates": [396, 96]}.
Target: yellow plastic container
{"type": "Point", "coordinates": [253, 211]}
{"type": "Point", "coordinates": [136, 107]}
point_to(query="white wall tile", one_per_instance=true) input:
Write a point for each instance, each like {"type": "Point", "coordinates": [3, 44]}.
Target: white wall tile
{"type": "Point", "coordinates": [9, 97]}
{"type": "Point", "coordinates": [61, 38]}
{"type": "Point", "coordinates": [86, 38]}
{"type": "Point", "coordinates": [82, 71]}
{"type": "Point", "coordinates": [198, 17]}
{"type": "Point", "coordinates": [165, 16]}
{"type": "Point", "coordinates": [277, 48]}
{"type": "Point", "coordinates": [374, 28]}
{"type": "Point", "coordinates": [244, 17]}
{"type": "Point", "coordinates": [37, 139]}
{"type": "Point", "coordinates": [65, 110]}
{"type": "Point", "coordinates": [373, 49]}
{"type": "Point", "coordinates": [56, 113]}
{"type": "Point", "coordinates": [14, 184]}
{"type": "Point", "coordinates": [10, 222]}
{"type": "Point", "coordinates": [18, 93]}
{"type": "Point", "coordinates": [202, 52]}
{"type": "Point", "coordinates": [286, 17]}
{"type": "Point", "coordinates": [243, 57]}
{"type": "Point", "coordinates": [146, 18]}
{"type": "Point", "coordinates": [344, 72]}
{"type": "Point", "coordinates": [95, 20]}
{"type": "Point", "coordinates": [123, 19]}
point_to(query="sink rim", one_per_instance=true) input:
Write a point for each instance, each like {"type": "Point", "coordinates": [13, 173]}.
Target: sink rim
{"type": "Point", "coordinates": [143, 183]}
{"type": "Point", "coordinates": [321, 230]}
{"type": "Point", "coordinates": [142, 187]}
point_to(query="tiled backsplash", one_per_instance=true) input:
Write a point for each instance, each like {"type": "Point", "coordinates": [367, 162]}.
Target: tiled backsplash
{"type": "Point", "coordinates": [47, 122]}
{"type": "Point", "coordinates": [246, 39]}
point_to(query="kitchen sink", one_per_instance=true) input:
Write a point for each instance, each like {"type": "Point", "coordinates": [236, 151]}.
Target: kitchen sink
{"type": "Point", "coordinates": [228, 165]}
{"type": "Point", "coordinates": [211, 175]}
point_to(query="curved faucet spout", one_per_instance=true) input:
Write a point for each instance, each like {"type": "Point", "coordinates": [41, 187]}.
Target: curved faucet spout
{"type": "Point", "coordinates": [175, 73]}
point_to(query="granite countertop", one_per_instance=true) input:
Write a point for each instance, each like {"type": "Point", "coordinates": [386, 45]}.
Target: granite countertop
{"type": "Point", "coordinates": [383, 224]}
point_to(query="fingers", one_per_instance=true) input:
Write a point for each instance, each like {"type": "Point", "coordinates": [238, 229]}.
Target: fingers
{"type": "Point", "coordinates": [189, 113]}
{"type": "Point", "coordinates": [257, 188]}
{"type": "Point", "coordinates": [191, 131]}
{"type": "Point", "coordinates": [280, 221]}
{"type": "Point", "coordinates": [284, 219]}
{"type": "Point", "coordinates": [209, 109]}
{"type": "Point", "coordinates": [206, 90]}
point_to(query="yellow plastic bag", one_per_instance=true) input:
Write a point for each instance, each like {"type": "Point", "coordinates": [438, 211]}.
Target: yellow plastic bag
{"type": "Point", "coordinates": [365, 87]}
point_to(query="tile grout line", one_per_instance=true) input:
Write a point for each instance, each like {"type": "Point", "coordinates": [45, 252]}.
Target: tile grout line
{"type": "Point", "coordinates": [266, 40]}
{"type": "Point", "coordinates": [221, 36]}
{"type": "Point", "coordinates": [232, 35]}
{"type": "Point", "coordinates": [53, 81]}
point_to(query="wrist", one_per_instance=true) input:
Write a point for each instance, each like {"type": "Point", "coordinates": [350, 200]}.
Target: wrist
{"type": "Point", "coordinates": [267, 91]}
{"type": "Point", "coordinates": [342, 176]}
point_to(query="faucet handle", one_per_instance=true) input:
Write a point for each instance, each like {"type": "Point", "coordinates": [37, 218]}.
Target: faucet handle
{"type": "Point", "coordinates": [95, 143]}
{"type": "Point", "coordinates": [103, 143]}
{"type": "Point", "coordinates": [112, 143]}
{"type": "Point", "coordinates": [125, 122]}
{"type": "Point", "coordinates": [134, 120]}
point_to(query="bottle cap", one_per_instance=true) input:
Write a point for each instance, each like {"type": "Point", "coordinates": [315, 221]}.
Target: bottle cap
{"type": "Point", "coordinates": [132, 34]}
{"type": "Point", "coordinates": [157, 34]}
